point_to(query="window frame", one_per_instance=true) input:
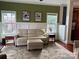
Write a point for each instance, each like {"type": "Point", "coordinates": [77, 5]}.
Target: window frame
{"type": "Point", "coordinates": [5, 23]}
{"type": "Point", "coordinates": [50, 24]}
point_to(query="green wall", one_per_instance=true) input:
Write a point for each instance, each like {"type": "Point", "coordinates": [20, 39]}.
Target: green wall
{"type": "Point", "coordinates": [32, 8]}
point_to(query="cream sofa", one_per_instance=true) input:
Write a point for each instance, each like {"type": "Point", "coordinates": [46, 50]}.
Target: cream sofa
{"type": "Point", "coordinates": [27, 34]}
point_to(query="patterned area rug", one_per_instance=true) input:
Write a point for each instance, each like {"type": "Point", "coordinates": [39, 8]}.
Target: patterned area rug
{"type": "Point", "coordinates": [48, 52]}
{"type": "Point", "coordinates": [1, 47]}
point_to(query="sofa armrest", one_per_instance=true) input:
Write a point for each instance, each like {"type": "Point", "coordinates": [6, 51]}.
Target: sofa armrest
{"type": "Point", "coordinates": [45, 34]}
{"type": "Point", "coordinates": [17, 36]}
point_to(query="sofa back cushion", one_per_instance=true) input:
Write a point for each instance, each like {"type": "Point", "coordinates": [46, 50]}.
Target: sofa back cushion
{"type": "Point", "coordinates": [39, 32]}
{"type": "Point", "coordinates": [30, 32]}
{"type": "Point", "coordinates": [34, 32]}
{"type": "Point", "coordinates": [23, 32]}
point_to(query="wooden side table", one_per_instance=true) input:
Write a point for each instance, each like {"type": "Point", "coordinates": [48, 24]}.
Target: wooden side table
{"type": "Point", "coordinates": [7, 38]}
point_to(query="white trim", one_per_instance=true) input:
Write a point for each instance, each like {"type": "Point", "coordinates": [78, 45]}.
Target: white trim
{"type": "Point", "coordinates": [69, 21]}
{"type": "Point", "coordinates": [61, 14]}
{"type": "Point", "coordinates": [52, 14]}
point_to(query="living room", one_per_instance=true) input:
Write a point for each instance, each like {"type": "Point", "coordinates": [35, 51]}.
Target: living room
{"type": "Point", "coordinates": [34, 30]}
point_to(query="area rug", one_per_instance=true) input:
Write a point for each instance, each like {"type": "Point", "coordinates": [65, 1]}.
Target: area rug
{"type": "Point", "coordinates": [51, 51]}
{"type": "Point", "coordinates": [1, 48]}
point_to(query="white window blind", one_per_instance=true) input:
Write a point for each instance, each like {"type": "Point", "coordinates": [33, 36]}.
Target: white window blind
{"type": "Point", "coordinates": [8, 22]}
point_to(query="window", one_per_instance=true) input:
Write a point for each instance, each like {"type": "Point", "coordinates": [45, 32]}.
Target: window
{"type": "Point", "coordinates": [8, 22]}
{"type": "Point", "coordinates": [51, 23]}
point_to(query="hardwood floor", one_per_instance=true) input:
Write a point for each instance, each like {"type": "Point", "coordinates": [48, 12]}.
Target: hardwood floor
{"type": "Point", "coordinates": [67, 46]}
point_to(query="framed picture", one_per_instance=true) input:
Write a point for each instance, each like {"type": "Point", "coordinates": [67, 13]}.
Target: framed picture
{"type": "Point", "coordinates": [38, 16]}
{"type": "Point", "coordinates": [26, 16]}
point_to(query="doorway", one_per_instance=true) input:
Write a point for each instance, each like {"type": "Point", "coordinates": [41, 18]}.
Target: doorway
{"type": "Point", "coordinates": [75, 24]}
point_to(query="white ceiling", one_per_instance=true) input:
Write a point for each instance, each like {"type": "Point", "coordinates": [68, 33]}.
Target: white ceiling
{"type": "Point", "coordinates": [44, 2]}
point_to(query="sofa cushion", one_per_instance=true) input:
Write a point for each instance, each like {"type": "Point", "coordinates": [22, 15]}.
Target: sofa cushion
{"type": "Point", "coordinates": [31, 30]}
{"type": "Point", "coordinates": [32, 33]}
{"type": "Point", "coordinates": [39, 32]}
{"type": "Point", "coordinates": [22, 38]}
{"type": "Point", "coordinates": [23, 32]}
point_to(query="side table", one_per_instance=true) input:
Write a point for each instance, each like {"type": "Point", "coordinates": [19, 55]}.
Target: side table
{"type": "Point", "coordinates": [7, 38]}
{"type": "Point", "coordinates": [51, 38]}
